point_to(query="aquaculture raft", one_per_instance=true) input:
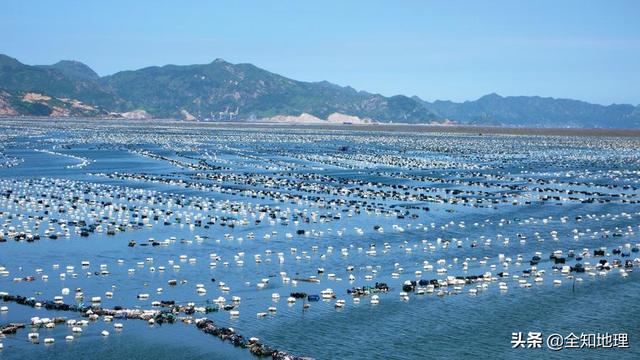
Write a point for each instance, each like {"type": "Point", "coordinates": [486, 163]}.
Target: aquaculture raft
{"type": "Point", "coordinates": [169, 316]}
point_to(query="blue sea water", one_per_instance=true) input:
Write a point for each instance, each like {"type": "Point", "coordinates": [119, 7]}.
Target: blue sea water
{"type": "Point", "coordinates": [140, 158]}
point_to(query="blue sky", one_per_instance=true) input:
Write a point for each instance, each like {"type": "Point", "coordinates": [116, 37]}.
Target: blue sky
{"type": "Point", "coordinates": [457, 50]}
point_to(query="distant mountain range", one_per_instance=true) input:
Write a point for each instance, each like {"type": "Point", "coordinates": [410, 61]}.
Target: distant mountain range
{"type": "Point", "coordinates": [222, 91]}
{"type": "Point", "coordinates": [535, 111]}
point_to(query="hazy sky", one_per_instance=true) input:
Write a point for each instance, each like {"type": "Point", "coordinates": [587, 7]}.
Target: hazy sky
{"type": "Point", "coordinates": [458, 50]}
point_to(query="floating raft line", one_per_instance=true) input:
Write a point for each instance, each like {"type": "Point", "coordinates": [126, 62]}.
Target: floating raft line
{"type": "Point", "coordinates": [159, 316]}
{"type": "Point", "coordinates": [11, 328]}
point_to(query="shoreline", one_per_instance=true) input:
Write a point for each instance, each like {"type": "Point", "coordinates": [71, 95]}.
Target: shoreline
{"type": "Point", "coordinates": [382, 127]}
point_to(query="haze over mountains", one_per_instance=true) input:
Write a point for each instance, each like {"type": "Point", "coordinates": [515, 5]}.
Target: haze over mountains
{"type": "Point", "coordinates": [535, 111]}
{"type": "Point", "coordinates": [222, 91]}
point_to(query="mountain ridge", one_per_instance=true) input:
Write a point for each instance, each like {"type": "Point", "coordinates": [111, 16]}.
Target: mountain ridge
{"type": "Point", "coordinates": [525, 111]}
{"type": "Point", "coordinates": [223, 91]}
{"type": "Point", "coordinates": [73, 68]}
{"type": "Point", "coordinates": [218, 91]}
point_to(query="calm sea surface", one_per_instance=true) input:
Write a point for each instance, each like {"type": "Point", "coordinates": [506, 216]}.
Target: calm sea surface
{"type": "Point", "coordinates": [322, 198]}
